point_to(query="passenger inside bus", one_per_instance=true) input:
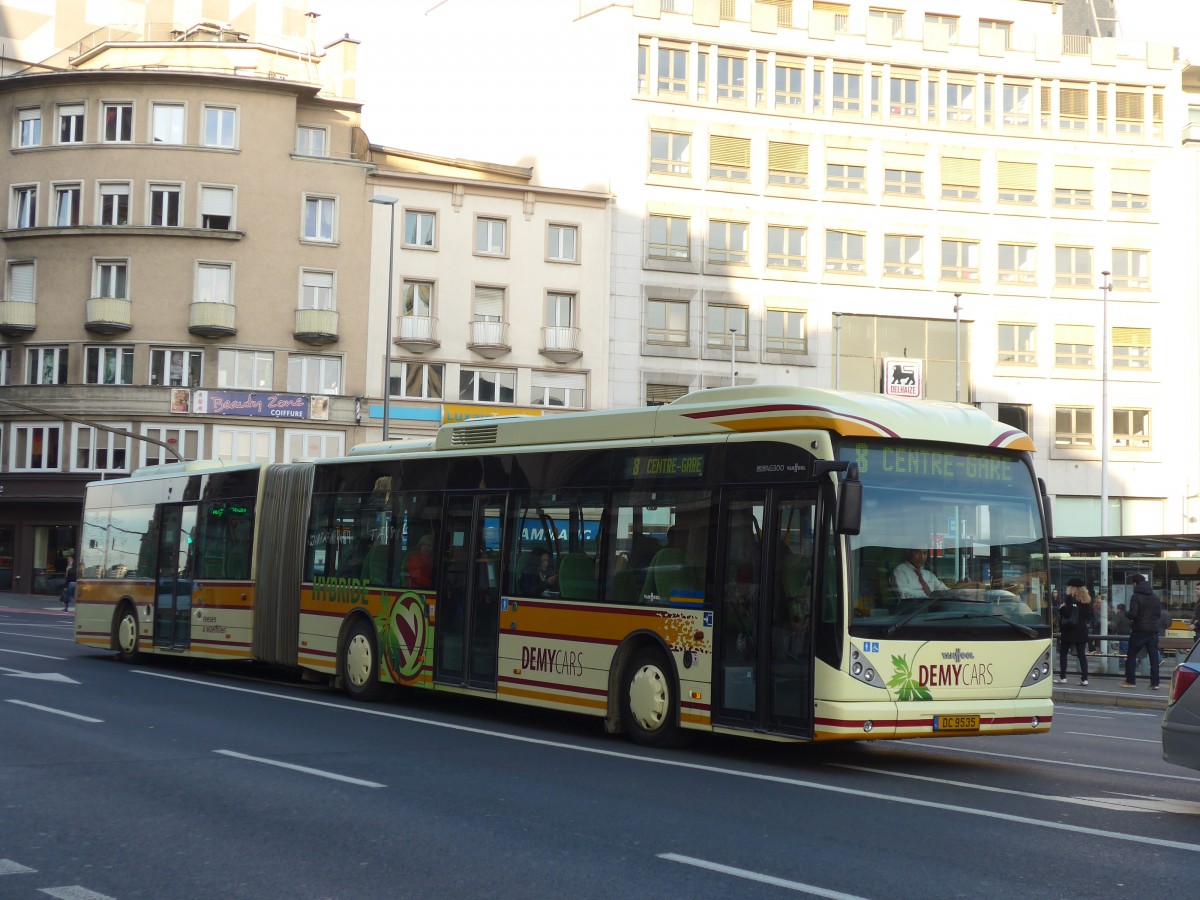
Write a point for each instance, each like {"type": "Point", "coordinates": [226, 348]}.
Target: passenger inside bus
{"type": "Point", "coordinates": [536, 578]}
{"type": "Point", "coordinates": [418, 566]}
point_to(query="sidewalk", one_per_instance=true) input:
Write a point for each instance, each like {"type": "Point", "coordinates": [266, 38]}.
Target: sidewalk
{"type": "Point", "coordinates": [47, 603]}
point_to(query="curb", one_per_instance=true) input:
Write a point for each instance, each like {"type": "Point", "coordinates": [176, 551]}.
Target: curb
{"type": "Point", "coordinates": [1140, 697]}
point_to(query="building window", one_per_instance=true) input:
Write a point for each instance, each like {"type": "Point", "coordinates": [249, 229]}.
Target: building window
{"type": "Point", "coordinates": [420, 228]}
{"type": "Point", "coordinates": [164, 205]}
{"type": "Point", "coordinates": [562, 243]}
{"type": "Point", "coordinates": [1131, 348]}
{"type": "Point", "coordinates": [114, 204]}
{"type": "Point", "coordinates": [818, 89]}
{"type": "Point", "coordinates": [316, 289]}
{"type": "Point", "coordinates": [108, 365]}
{"type": "Point", "coordinates": [1072, 109]}
{"type": "Point", "coordinates": [246, 369]}
{"type": "Point", "coordinates": [216, 208]}
{"type": "Point", "coordinates": [118, 122]}
{"type": "Point", "coordinates": [731, 78]}
{"type": "Point", "coordinates": [960, 260]}
{"type": "Point", "coordinates": [840, 177]}
{"type": "Point", "coordinates": [1005, 28]}
{"type": "Point", "coordinates": [702, 76]}
{"type": "Point", "coordinates": [487, 385]}
{"type": "Point", "coordinates": [70, 123]}
{"type": "Point", "coordinates": [902, 255]}
{"type": "Point", "coordinates": [1073, 266]}
{"type": "Point", "coordinates": [305, 446]}
{"type": "Point", "coordinates": [562, 389]}
{"type": "Point", "coordinates": [902, 95]}
{"type": "Point", "coordinates": [1131, 429]}
{"type": "Point", "coordinates": [672, 70]}
{"type": "Point", "coordinates": [789, 83]}
{"type": "Point", "coordinates": [671, 152]}
{"type": "Point", "coordinates": [729, 158]}
{"type": "Point", "coordinates": [787, 164]}
{"type": "Point", "coordinates": [67, 198]}
{"type": "Point", "coordinates": [1131, 201]}
{"type": "Point", "coordinates": [185, 441]}
{"type": "Point", "coordinates": [418, 298]}
{"type": "Point", "coordinates": [246, 445]}
{"type": "Point", "coordinates": [845, 252]}
{"type": "Point", "coordinates": [319, 215]}
{"type": "Point", "coordinates": [1017, 183]}
{"type": "Point", "coordinates": [667, 322]}
{"type": "Point", "coordinates": [727, 324]}
{"type": "Point", "coordinates": [893, 17]}
{"type": "Point", "coordinates": [99, 451]}
{"type": "Point", "coordinates": [787, 247]}
{"type": "Point", "coordinates": [839, 11]}
{"type": "Point", "coordinates": [1015, 415]}
{"type": "Point", "coordinates": [1017, 264]}
{"type": "Point", "coordinates": [960, 179]}
{"type": "Point", "coordinates": [560, 310]}
{"type": "Point", "coordinates": [1074, 347]}
{"type": "Point", "coordinates": [6, 357]}
{"type": "Point", "coordinates": [491, 236]}
{"type": "Point", "coordinates": [1072, 427]}
{"type": "Point", "coordinates": [1131, 270]}
{"type": "Point", "coordinates": [220, 123]}
{"type": "Point", "coordinates": [1017, 104]}
{"type": "Point", "coordinates": [727, 243]}
{"type": "Point", "coordinates": [786, 331]}
{"type": "Point", "coordinates": [847, 92]}
{"type": "Point", "coordinates": [314, 374]}
{"type": "Point", "coordinates": [29, 127]}
{"type": "Point", "coordinates": [960, 102]}
{"type": "Point", "coordinates": [415, 381]}
{"type": "Point", "coordinates": [214, 283]}
{"type": "Point", "coordinates": [1016, 345]}
{"type": "Point", "coordinates": [1130, 112]}
{"type": "Point", "coordinates": [167, 122]}
{"type": "Point", "coordinates": [112, 279]}
{"type": "Point", "coordinates": [1073, 198]}
{"type": "Point", "coordinates": [24, 213]}
{"type": "Point", "coordinates": [950, 23]}
{"type": "Point", "coordinates": [46, 365]}
{"type": "Point", "coordinates": [903, 182]}
{"type": "Point", "coordinates": [669, 237]}
{"type": "Point", "coordinates": [21, 281]}
{"type": "Point", "coordinates": [35, 448]}
{"type": "Point", "coordinates": [661, 394]}
{"type": "Point", "coordinates": [311, 140]}
{"type": "Point", "coordinates": [176, 368]}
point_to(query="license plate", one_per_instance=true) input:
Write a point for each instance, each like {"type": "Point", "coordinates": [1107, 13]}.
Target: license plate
{"type": "Point", "coordinates": [956, 723]}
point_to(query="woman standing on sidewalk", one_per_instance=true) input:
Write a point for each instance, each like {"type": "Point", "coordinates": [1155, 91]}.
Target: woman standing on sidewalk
{"type": "Point", "coordinates": [1074, 616]}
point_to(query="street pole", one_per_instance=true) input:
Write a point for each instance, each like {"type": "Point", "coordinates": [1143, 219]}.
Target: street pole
{"type": "Point", "coordinates": [389, 202]}
{"type": "Point", "coordinates": [1104, 428]}
{"type": "Point", "coordinates": [733, 357]}
{"type": "Point", "coordinates": [837, 350]}
{"type": "Point", "coordinates": [957, 350]}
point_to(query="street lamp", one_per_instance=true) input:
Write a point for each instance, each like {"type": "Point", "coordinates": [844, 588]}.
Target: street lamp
{"type": "Point", "coordinates": [390, 202]}
{"type": "Point", "coordinates": [733, 357]}
{"type": "Point", "coordinates": [837, 350]}
{"type": "Point", "coordinates": [1104, 427]}
{"type": "Point", "coordinates": [957, 349]}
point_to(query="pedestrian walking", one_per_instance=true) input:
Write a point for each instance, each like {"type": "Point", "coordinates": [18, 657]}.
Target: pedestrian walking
{"type": "Point", "coordinates": [68, 592]}
{"type": "Point", "coordinates": [1196, 614]}
{"type": "Point", "coordinates": [1144, 612]}
{"type": "Point", "coordinates": [1074, 617]}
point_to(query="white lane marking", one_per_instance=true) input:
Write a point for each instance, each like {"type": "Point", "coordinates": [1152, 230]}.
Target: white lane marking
{"type": "Point", "coordinates": [1115, 711]}
{"type": "Point", "coordinates": [40, 637]}
{"type": "Point", "coordinates": [798, 886]}
{"type": "Point", "coordinates": [38, 676]}
{"type": "Point", "coordinates": [1113, 737]}
{"type": "Point", "coordinates": [695, 767]}
{"type": "Point", "coordinates": [8, 867]}
{"type": "Point", "coordinates": [1052, 762]}
{"type": "Point", "coordinates": [57, 712]}
{"type": "Point", "coordinates": [305, 769]}
{"type": "Point", "coordinates": [38, 655]}
{"type": "Point", "coordinates": [74, 892]}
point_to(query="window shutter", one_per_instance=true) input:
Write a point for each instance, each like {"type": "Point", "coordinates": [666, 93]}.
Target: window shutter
{"type": "Point", "coordinates": [1157, 105]}
{"type": "Point", "coordinates": [569, 380]}
{"type": "Point", "coordinates": [1130, 105]}
{"type": "Point", "coordinates": [1102, 104]}
{"type": "Point", "coordinates": [787, 157]}
{"type": "Point", "coordinates": [840, 9]}
{"type": "Point", "coordinates": [1018, 176]}
{"type": "Point", "coordinates": [489, 303]}
{"type": "Point", "coordinates": [29, 115]}
{"type": "Point", "coordinates": [729, 151]}
{"type": "Point", "coordinates": [20, 282]}
{"type": "Point", "coordinates": [1074, 334]}
{"type": "Point", "coordinates": [1076, 178]}
{"type": "Point", "coordinates": [909, 162]}
{"type": "Point", "coordinates": [960, 171]}
{"type": "Point", "coordinates": [1045, 94]}
{"type": "Point", "coordinates": [657, 394]}
{"type": "Point", "coordinates": [216, 201]}
{"type": "Point", "coordinates": [840, 156]}
{"type": "Point", "coordinates": [1073, 102]}
{"type": "Point", "coordinates": [1131, 337]}
{"type": "Point", "coordinates": [1131, 181]}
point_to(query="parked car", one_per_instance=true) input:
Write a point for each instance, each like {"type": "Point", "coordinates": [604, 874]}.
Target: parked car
{"type": "Point", "coordinates": [1181, 723]}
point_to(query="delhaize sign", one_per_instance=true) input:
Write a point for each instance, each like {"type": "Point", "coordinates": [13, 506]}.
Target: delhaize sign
{"type": "Point", "coordinates": [903, 377]}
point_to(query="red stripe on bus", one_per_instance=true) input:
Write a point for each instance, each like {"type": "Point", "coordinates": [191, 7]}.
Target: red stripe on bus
{"type": "Point", "coordinates": [578, 639]}
{"type": "Point", "coordinates": [549, 685]}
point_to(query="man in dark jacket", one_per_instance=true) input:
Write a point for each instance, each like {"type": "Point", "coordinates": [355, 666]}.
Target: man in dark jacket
{"type": "Point", "coordinates": [1144, 611]}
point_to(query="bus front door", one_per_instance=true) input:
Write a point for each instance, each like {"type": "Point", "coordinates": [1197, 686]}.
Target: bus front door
{"type": "Point", "coordinates": [173, 582]}
{"type": "Point", "coordinates": [764, 677]}
{"type": "Point", "coordinates": [468, 605]}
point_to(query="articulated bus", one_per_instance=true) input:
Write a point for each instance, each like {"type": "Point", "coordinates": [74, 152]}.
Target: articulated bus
{"type": "Point", "coordinates": [721, 563]}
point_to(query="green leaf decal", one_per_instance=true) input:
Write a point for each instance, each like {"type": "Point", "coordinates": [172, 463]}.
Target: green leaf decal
{"type": "Point", "coordinates": [905, 683]}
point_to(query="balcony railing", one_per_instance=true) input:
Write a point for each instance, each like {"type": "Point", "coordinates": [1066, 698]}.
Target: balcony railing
{"type": "Point", "coordinates": [560, 343]}
{"type": "Point", "coordinates": [489, 339]}
{"type": "Point", "coordinates": [17, 317]}
{"type": "Point", "coordinates": [316, 326]}
{"type": "Point", "coordinates": [212, 319]}
{"type": "Point", "coordinates": [108, 315]}
{"type": "Point", "coordinates": [417, 333]}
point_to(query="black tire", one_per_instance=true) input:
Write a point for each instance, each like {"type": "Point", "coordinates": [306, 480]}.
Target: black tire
{"type": "Point", "coordinates": [360, 662]}
{"type": "Point", "coordinates": [649, 700]}
{"type": "Point", "coordinates": [125, 633]}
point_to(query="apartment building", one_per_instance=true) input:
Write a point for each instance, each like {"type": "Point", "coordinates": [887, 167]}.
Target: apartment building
{"type": "Point", "coordinates": [834, 193]}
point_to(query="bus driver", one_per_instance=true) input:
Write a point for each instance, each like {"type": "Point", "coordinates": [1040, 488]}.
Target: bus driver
{"type": "Point", "coordinates": [912, 579]}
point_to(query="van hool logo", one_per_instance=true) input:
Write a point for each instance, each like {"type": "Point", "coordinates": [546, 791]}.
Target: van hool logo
{"type": "Point", "coordinates": [959, 655]}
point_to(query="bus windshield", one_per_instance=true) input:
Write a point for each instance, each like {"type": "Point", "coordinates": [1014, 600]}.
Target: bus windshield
{"type": "Point", "coordinates": [951, 545]}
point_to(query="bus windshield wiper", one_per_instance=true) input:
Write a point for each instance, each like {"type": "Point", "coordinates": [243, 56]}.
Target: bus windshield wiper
{"type": "Point", "coordinates": [1024, 629]}
{"type": "Point", "coordinates": [920, 608]}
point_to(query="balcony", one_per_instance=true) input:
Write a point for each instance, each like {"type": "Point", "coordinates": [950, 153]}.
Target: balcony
{"type": "Point", "coordinates": [560, 343]}
{"type": "Point", "coordinates": [316, 326]}
{"type": "Point", "coordinates": [108, 315]}
{"type": "Point", "coordinates": [417, 334]}
{"type": "Point", "coordinates": [17, 317]}
{"type": "Point", "coordinates": [489, 339]}
{"type": "Point", "coordinates": [212, 319]}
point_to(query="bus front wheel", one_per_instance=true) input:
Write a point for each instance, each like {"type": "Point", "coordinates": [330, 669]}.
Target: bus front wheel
{"type": "Point", "coordinates": [360, 662]}
{"type": "Point", "coordinates": [125, 633]}
{"type": "Point", "coordinates": [648, 700]}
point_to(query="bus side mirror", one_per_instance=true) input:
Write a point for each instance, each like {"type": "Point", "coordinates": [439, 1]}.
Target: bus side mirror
{"type": "Point", "coordinates": [849, 511]}
{"type": "Point", "coordinates": [1046, 509]}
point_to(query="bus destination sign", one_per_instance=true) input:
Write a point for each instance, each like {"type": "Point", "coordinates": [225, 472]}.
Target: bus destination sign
{"type": "Point", "coordinates": [934, 465]}
{"type": "Point", "coordinates": [665, 465]}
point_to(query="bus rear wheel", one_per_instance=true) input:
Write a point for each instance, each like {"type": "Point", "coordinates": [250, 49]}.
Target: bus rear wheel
{"type": "Point", "coordinates": [649, 705]}
{"type": "Point", "coordinates": [125, 633]}
{"type": "Point", "coordinates": [360, 662]}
